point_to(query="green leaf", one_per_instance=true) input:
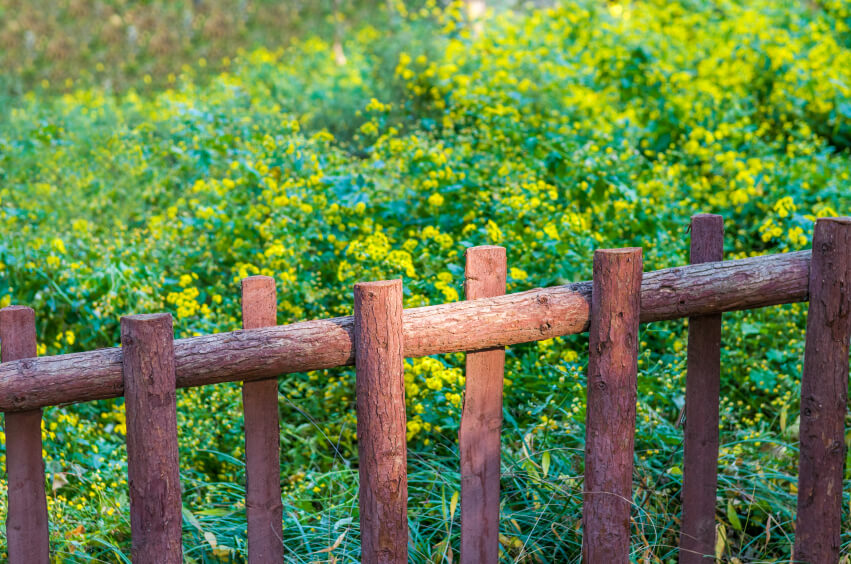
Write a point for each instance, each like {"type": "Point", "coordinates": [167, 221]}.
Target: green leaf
{"type": "Point", "coordinates": [750, 329]}
{"type": "Point", "coordinates": [732, 516]}
{"type": "Point", "coordinates": [545, 463]}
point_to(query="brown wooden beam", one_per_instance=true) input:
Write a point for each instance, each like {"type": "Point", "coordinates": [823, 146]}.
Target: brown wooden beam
{"type": "Point", "coordinates": [263, 505]}
{"type": "Point", "coordinates": [543, 313]}
{"type": "Point", "coordinates": [703, 390]}
{"type": "Point", "coordinates": [153, 474]}
{"type": "Point", "coordinates": [381, 426]}
{"type": "Point", "coordinates": [824, 395]}
{"type": "Point", "coordinates": [481, 420]}
{"type": "Point", "coordinates": [27, 530]}
{"type": "Point", "coordinates": [610, 413]}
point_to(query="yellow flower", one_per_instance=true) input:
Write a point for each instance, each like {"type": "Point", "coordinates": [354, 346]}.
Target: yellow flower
{"type": "Point", "coordinates": [518, 274]}
{"type": "Point", "coordinates": [435, 200]}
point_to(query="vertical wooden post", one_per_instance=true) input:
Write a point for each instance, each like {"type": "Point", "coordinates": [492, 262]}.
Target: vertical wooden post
{"type": "Point", "coordinates": [481, 420]}
{"type": "Point", "coordinates": [382, 446]}
{"type": "Point", "coordinates": [824, 393]}
{"type": "Point", "coordinates": [703, 389]}
{"type": "Point", "coordinates": [152, 459]}
{"type": "Point", "coordinates": [610, 411]}
{"type": "Point", "coordinates": [262, 435]}
{"type": "Point", "coordinates": [27, 531]}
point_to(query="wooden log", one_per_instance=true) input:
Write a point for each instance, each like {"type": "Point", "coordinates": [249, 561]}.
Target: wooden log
{"type": "Point", "coordinates": [610, 411]}
{"type": "Point", "coordinates": [703, 395]}
{"type": "Point", "coordinates": [533, 315]}
{"type": "Point", "coordinates": [27, 533]}
{"type": "Point", "coordinates": [152, 459]}
{"type": "Point", "coordinates": [824, 395]}
{"type": "Point", "coordinates": [481, 420]}
{"type": "Point", "coordinates": [263, 505]}
{"type": "Point", "coordinates": [381, 427]}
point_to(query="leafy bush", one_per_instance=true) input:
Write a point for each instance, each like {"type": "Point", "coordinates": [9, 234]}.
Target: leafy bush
{"type": "Point", "coordinates": [554, 132]}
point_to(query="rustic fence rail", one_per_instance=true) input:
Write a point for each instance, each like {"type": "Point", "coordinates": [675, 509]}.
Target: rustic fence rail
{"type": "Point", "coordinates": [380, 335]}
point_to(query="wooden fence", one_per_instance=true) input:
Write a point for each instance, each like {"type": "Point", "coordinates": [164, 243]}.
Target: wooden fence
{"type": "Point", "coordinates": [151, 365]}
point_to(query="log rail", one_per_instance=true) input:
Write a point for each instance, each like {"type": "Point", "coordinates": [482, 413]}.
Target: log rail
{"type": "Point", "coordinates": [533, 315]}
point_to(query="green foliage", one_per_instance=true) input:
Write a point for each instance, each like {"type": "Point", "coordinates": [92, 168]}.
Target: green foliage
{"type": "Point", "coordinates": [553, 132]}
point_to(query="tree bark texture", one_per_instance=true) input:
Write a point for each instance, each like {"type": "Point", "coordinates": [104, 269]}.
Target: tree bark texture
{"type": "Point", "coordinates": [481, 420]}
{"type": "Point", "coordinates": [610, 410]}
{"type": "Point", "coordinates": [381, 427]}
{"type": "Point", "coordinates": [533, 315]}
{"type": "Point", "coordinates": [824, 395]}
{"type": "Point", "coordinates": [152, 459]}
{"type": "Point", "coordinates": [27, 532]}
{"type": "Point", "coordinates": [263, 505]}
{"type": "Point", "coordinates": [703, 391]}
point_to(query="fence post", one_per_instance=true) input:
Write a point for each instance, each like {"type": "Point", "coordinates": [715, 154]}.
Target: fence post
{"type": "Point", "coordinates": [262, 435]}
{"type": "Point", "coordinates": [152, 459]}
{"type": "Point", "coordinates": [382, 447]}
{"type": "Point", "coordinates": [824, 393]}
{"type": "Point", "coordinates": [481, 420]}
{"type": "Point", "coordinates": [27, 530]}
{"type": "Point", "coordinates": [610, 411]}
{"type": "Point", "coordinates": [703, 388]}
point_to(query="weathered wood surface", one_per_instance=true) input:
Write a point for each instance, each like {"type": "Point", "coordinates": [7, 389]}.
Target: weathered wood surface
{"type": "Point", "coordinates": [27, 533]}
{"type": "Point", "coordinates": [824, 395]}
{"type": "Point", "coordinates": [610, 413]}
{"type": "Point", "coordinates": [462, 326]}
{"type": "Point", "coordinates": [481, 419]}
{"type": "Point", "coordinates": [264, 509]}
{"type": "Point", "coordinates": [156, 521]}
{"type": "Point", "coordinates": [381, 426]}
{"type": "Point", "coordinates": [703, 390]}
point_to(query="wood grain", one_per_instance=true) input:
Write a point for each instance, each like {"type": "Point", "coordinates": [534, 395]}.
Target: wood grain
{"type": "Point", "coordinates": [703, 395]}
{"type": "Point", "coordinates": [27, 532]}
{"type": "Point", "coordinates": [534, 315]}
{"type": "Point", "coordinates": [263, 505]}
{"type": "Point", "coordinates": [824, 395]}
{"type": "Point", "coordinates": [481, 419]}
{"type": "Point", "coordinates": [152, 458]}
{"type": "Point", "coordinates": [381, 428]}
{"type": "Point", "coordinates": [610, 412]}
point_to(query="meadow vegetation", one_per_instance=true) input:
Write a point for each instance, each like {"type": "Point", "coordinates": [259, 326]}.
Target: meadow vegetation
{"type": "Point", "coordinates": [555, 131]}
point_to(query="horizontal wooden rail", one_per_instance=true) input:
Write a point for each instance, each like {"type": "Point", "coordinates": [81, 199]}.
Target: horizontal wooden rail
{"type": "Point", "coordinates": [533, 315]}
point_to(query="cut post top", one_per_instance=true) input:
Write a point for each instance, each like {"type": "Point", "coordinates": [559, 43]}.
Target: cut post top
{"type": "Point", "coordinates": [258, 278]}
{"type": "Point", "coordinates": [843, 220]}
{"type": "Point", "coordinates": [367, 288]}
{"type": "Point", "coordinates": [146, 318]}
{"type": "Point", "coordinates": [618, 252]}
{"type": "Point", "coordinates": [17, 333]}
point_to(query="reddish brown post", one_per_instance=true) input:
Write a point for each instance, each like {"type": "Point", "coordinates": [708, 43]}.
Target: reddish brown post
{"type": "Point", "coordinates": [703, 388]}
{"type": "Point", "coordinates": [610, 412]}
{"type": "Point", "coordinates": [152, 462]}
{"type": "Point", "coordinates": [481, 420]}
{"type": "Point", "coordinates": [824, 393]}
{"type": "Point", "coordinates": [262, 435]}
{"type": "Point", "coordinates": [26, 522]}
{"type": "Point", "coordinates": [382, 449]}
